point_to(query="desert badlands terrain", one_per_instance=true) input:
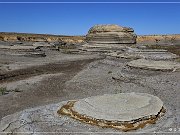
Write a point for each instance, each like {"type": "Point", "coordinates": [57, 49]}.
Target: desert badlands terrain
{"type": "Point", "coordinates": [110, 81]}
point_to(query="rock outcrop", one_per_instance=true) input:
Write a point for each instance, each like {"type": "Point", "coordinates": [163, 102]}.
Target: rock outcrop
{"type": "Point", "coordinates": [111, 34]}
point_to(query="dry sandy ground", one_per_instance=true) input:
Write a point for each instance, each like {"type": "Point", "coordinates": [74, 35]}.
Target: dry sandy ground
{"type": "Point", "coordinates": [62, 77]}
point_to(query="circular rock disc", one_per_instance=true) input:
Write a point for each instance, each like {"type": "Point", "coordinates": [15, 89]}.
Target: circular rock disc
{"type": "Point", "coordinates": [122, 111]}
{"type": "Point", "coordinates": [154, 65]}
{"type": "Point", "coordinates": [120, 107]}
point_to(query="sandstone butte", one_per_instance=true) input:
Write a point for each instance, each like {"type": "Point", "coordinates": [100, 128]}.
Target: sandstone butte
{"type": "Point", "coordinates": [111, 34]}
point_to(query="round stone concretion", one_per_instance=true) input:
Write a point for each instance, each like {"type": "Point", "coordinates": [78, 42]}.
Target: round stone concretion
{"type": "Point", "coordinates": [121, 107]}
{"type": "Point", "coordinates": [154, 65]}
{"type": "Point", "coordinates": [125, 111]}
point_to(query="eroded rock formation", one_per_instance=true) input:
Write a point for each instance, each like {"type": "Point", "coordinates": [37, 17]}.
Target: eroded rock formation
{"type": "Point", "coordinates": [111, 34]}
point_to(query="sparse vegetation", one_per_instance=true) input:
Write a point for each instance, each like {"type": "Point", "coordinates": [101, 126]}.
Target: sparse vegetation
{"type": "Point", "coordinates": [109, 72]}
{"type": "Point", "coordinates": [67, 47]}
{"type": "Point", "coordinates": [17, 90]}
{"type": "Point", "coordinates": [177, 60]}
{"type": "Point", "coordinates": [3, 91]}
{"type": "Point", "coordinates": [66, 51]}
{"type": "Point", "coordinates": [133, 46]}
{"type": "Point", "coordinates": [157, 40]}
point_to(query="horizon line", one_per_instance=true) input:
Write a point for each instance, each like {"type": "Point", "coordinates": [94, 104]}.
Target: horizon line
{"type": "Point", "coordinates": [89, 2]}
{"type": "Point", "coordinates": [56, 34]}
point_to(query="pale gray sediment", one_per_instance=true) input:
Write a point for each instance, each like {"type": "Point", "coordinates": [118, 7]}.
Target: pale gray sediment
{"type": "Point", "coordinates": [155, 65]}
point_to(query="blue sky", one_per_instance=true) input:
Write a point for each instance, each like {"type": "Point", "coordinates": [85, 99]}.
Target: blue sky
{"type": "Point", "coordinates": [76, 19]}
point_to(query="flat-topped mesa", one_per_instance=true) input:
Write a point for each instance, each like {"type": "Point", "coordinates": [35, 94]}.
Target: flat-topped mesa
{"type": "Point", "coordinates": [111, 34]}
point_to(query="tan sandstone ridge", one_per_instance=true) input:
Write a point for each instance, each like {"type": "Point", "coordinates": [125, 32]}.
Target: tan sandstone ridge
{"type": "Point", "coordinates": [4, 36]}
{"type": "Point", "coordinates": [158, 38]}
{"type": "Point", "coordinates": [7, 36]}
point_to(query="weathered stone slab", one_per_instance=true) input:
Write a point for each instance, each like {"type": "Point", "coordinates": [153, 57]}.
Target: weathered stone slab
{"type": "Point", "coordinates": [42, 44]}
{"type": "Point", "coordinates": [158, 55]}
{"type": "Point", "coordinates": [124, 55]}
{"type": "Point", "coordinates": [104, 46]}
{"type": "Point", "coordinates": [151, 50]}
{"type": "Point", "coordinates": [30, 54]}
{"type": "Point", "coordinates": [124, 77]}
{"type": "Point", "coordinates": [18, 47]}
{"type": "Point", "coordinates": [154, 65]}
{"type": "Point", "coordinates": [153, 54]}
{"type": "Point", "coordinates": [126, 111]}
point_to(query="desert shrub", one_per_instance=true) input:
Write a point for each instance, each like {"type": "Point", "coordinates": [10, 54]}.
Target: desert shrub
{"type": "Point", "coordinates": [16, 90]}
{"type": "Point", "coordinates": [3, 91]}
{"type": "Point", "coordinates": [67, 47]}
{"type": "Point", "coordinates": [109, 72]}
{"type": "Point", "coordinates": [66, 51]}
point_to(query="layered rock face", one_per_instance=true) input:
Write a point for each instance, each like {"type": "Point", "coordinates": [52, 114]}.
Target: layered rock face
{"type": "Point", "coordinates": [111, 34]}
